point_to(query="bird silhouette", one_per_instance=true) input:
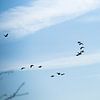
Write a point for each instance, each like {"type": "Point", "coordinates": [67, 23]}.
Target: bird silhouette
{"type": "Point", "coordinates": [6, 35]}
{"type": "Point", "coordinates": [31, 66]}
{"type": "Point", "coordinates": [62, 74]}
{"type": "Point", "coordinates": [22, 68]}
{"type": "Point", "coordinates": [39, 66]}
{"type": "Point", "coordinates": [80, 43]}
{"type": "Point", "coordinates": [82, 51]}
{"type": "Point", "coordinates": [79, 53]}
{"type": "Point", "coordinates": [58, 73]}
{"type": "Point", "coordinates": [52, 75]}
{"type": "Point", "coordinates": [81, 48]}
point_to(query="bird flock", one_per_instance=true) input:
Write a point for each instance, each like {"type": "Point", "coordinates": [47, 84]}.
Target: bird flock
{"type": "Point", "coordinates": [81, 48]}
{"type": "Point", "coordinates": [58, 74]}
{"type": "Point", "coordinates": [31, 66]}
{"type": "Point", "coordinates": [80, 52]}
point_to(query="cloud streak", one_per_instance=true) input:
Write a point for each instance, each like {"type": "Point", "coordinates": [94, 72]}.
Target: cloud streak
{"type": "Point", "coordinates": [67, 62]}
{"type": "Point", "coordinates": [24, 20]}
{"type": "Point", "coordinates": [62, 62]}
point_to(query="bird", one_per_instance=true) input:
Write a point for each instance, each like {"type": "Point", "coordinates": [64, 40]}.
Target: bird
{"type": "Point", "coordinates": [63, 74]}
{"type": "Point", "coordinates": [6, 35]}
{"type": "Point", "coordinates": [58, 73]}
{"type": "Point", "coordinates": [52, 75]}
{"type": "Point", "coordinates": [81, 48]}
{"type": "Point", "coordinates": [22, 68]}
{"type": "Point", "coordinates": [79, 53]}
{"type": "Point", "coordinates": [80, 43]}
{"type": "Point", "coordinates": [31, 66]}
{"type": "Point", "coordinates": [39, 66]}
{"type": "Point", "coordinates": [82, 51]}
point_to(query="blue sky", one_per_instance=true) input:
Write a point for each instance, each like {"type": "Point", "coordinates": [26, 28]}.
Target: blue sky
{"type": "Point", "coordinates": [46, 33]}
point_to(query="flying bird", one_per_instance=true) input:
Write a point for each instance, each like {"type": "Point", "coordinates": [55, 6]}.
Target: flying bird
{"type": "Point", "coordinates": [22, 68]}
{"type": "Point", "coordinates": [62, 74]}
{"type": "Point", "coordinates": [6, 35]}
{"type": "Point", "coordinates": [31, 66]}
{"type": "Point", "coordinates": [52, 75]}
{"type": "Point", "coordinates": [81, 48]}
{"type": "Point", "coordinates": [80, 43]}
{"type": "Point", "coordinates": [59, 73]}
{"type": "Point", "coordinates": [82, 51]}
{"type": "Point", "coordinates": [79, 53]}
{"type": "Point", "coordinates": [39, 66]}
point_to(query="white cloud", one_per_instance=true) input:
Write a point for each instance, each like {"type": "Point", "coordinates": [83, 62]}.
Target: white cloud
{"type": "Point", "coordinates": [73, 61]}
{"type": "Point", "coordinates": [23, 20]}
{"type": "Point", "coordinates": [62, 62]}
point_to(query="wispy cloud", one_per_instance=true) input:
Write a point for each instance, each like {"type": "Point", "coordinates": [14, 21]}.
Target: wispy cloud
{"type": "Point", "coordinates": [66, 62]}
{"type": "Point", "coordinates": [23, 20]}
{"type": "Point", "coordinates": [62, 62]}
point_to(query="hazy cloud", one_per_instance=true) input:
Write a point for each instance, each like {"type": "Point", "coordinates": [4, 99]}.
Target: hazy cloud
{"type": "Point", "coordinates": [62, 62]}
{"type": "Point", "coordinates": [24, 20]}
